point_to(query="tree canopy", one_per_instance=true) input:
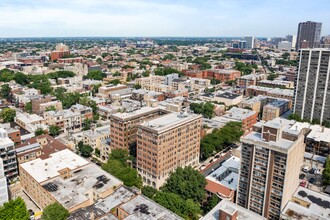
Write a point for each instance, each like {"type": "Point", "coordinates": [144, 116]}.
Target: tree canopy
{"type": "Point", "coordinates": [163, 71]}
{"type": "Point", "coordinates": [206, 109]}
{"type": "Point", "coordinates": [96, 75]}
{"type": "Point", "coordinates": [14, 209]}
{"type": "Point", "coordinates": [218, 139]}
{"type": "Point", "coordinates": [8, 115]}
{"type": "Point", "coordinates": [55, 211]}
{"type": "Point", "coordinates": [5, 91]}
{"type": "Point", "coordinates": [61, 74]}
{"type": "Point", "coordinates": [326, 172]}
{"type": "Point", "coordinates": [186, 182]}
{"type": "Point", "coordinates": [117, 165]}
{"type": "Point", "coordinates": [54, 130]}
{"type": "Point", "coordinates": [202, 62]}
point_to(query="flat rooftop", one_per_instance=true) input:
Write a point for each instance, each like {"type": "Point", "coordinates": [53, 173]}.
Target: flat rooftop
{"type": "Point", "coordinates": [42, 170]}
{"type": "Point", "coordinates": [319, 133]}
{"type": "Point", "coordinates": [136, 113]}
{"type": "Point", "coordinates": [75, 190]}
{"type": "Point", "coordinates": [227, 173]}
{"type": "Point", "coordinates": [230, 207]}
{"type": "Point", "coordinates": [103, 206]}
{"type": "Point", "coordinates": [169, 120]}
{"type": "Point", "coordinates": [143, 208]}
{"type": "Point", "coordinates": [228, 95]}
{"type": "Point", "coordinates": [239, 113]}
{"type": "Point", "coordinates": [318, 205]}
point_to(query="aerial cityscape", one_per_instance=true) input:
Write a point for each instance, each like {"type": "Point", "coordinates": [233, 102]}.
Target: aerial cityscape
{"type": "Point", "coordinates": [161, 110]}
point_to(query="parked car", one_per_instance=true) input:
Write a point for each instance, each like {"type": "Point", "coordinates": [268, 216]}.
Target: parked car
{"type": "Point", "coordinates": [302, 176]}
{"type": "Point", "coordinates": [305, 169]}
{"type": "Point", "coordinates": [312, 171]}
{"type": "Point", "coordinates": [303, 183]}
{"type": "Point", "coordinates": [317, 172]}
{"type": "Point", "coordinates": [311, 180]}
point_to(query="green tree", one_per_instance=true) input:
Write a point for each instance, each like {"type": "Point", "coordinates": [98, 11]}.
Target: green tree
{"type": "Point", "coordinates": [114, 82]}
{"type": "Point", "coordinates": [96, 75]}
{"type": "Point", "coordinates": [149, 191]}
{"type": "Point", "coordinates": [99, 60]}
{"type": "Point", "coordinates": [95, 88]}
{"type": "Point", "coordinates": [218, 139]}
{"type": "Point", "coordinates": [41, 82]}
{"type": "Point", "coordinates": [21, 79]}
{"type": "Point", "coordinates": [206, 109]}
{"type": "Point", "coordinates": [326, 172]}
{"type": "Point", "coordinates": [87, 124]}
{"type": "Point", "coordinates": [186, 182]}
{"type": "Point", "coordinates": [5, 91]}
{"type": "Point", "coordinates": [137, 86]}
{"type": "Point", "coordinates": [187, 209]}
{"type": "Point", "coordinates": [39, 131]}
{"type": "Point", "coordinates": [14, 209]}
{"type": "Point", "coordinates": [211, 202]}
{"type": "Point", "coordinates": [8, 115]}
{"type": "Point", "coordinates": [54, 130]}
{"type": "Point", "coordinates": [86, 150]}
{"type": "Point", "coordinates": [28, 107]}
{"type": "Point", "coordinates": [294, 116]}
{"type": "Point", "coordinates": [118, 167]}
{"type": "Point", "coordinates": [215, 81]}
{"type": "Point", "coordinates": [60, 74]}
{"type": "Point", "coordinates": [6, 75]}
{"type": "Point", "coordinates": [166, 71]}
{"type": "Point", "coordinates": [55, 211]}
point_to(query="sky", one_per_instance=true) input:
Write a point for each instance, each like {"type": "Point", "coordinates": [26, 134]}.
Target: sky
{"type": "Point", "coordinates": [157, 18]}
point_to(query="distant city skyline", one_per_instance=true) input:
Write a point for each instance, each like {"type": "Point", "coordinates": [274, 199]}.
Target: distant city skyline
{"type": "Point", "coordinates": [146, 18]}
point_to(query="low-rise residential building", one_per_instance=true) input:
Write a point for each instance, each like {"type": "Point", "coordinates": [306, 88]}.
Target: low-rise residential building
{"type": "Point", "coordinates": [41, 100]}
{"type": "Point", "coordinates": [227, 210]}
{"type": "Point", "coordinates": [228, 98]}
{"type": "Point", "coordinates": [66, 178]}
{"type": "Point", "coordinates": [246, 116]}
{"type": "Point", "coordinates": [275, 109]}
{"type": "Point", "coordinates": [38, 147]}
{"type": "Point", "coordinates": [307, 204]}
{"type": "Point", "coordinates": [30, 122]}
{"type": "Point", "coordinates": [273, 92]}
{"type": "Point", "coordinates": [104, 91]}
{"type": "Point", "coordinates": [56, 105]}
{"type": "Point", "coordinates": [145, 81]}
{"type": "Point", "coordinates": [66, 120]}
{"type": "Point", "coordinates": [223, 180]}
{"type": "Point", "coordinates": [165, 143]}
{"type": "Point", "coordinates": [124, 203]}
{"type": "Point", "coordinates": [276, 84]}
{"type": "Point", "coordinates": [250, 80]}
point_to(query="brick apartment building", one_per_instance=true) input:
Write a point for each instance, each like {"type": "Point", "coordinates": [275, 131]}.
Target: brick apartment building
{"type": "Point", "coordinates": [220, 74]}
{"type": "Point", "coordinates": [165, 143]}
{"type": "Point", "coordinates": [123, 126]}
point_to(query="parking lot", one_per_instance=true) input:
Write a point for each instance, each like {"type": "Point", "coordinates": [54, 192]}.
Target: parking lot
{"type": "Point", "coordinates": [317, 184]}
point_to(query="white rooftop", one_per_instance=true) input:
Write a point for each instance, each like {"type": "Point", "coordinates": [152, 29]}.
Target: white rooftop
{"type": "Point", "coordinates": [239, 113]}
{"type": "Point", "coordinates": [319, 133]}
{"type": "Point", "coordinates": [138, 112]}
{"type": "Point", "coordinates": [230, 207]}
{"type": "Point", "coordinates": [318, 208]}
{"type": "Point", "coordinates": [170, 120]}
{"type": "Point", "coordinates": [42, 170]}
{"type": "Point", "coordinates": [227, 173]}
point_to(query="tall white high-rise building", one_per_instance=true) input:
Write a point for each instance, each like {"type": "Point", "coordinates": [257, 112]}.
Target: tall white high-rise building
{"type": "Point", "coordinates": [249, 42]}
{"type": "Point", "coordinates": [3, 185]}
{"type": "Point", "coordinates": [292, 39]}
